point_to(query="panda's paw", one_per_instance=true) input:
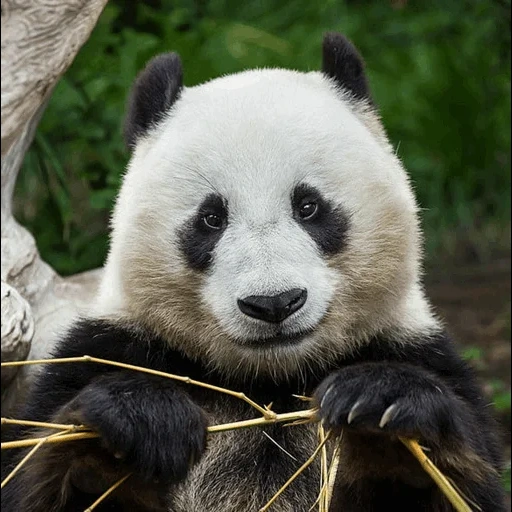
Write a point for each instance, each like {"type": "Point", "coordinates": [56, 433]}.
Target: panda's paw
{"type": "Point", "coordinates": [391, 399]}
{"type": "Point", "coordinates": [146, 423]}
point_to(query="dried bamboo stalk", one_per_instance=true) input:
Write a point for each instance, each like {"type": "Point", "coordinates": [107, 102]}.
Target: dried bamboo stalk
{"type": "Point", "coordinates": [269, 416]}
{"type": "Point", "coordinates": [27, 457]}
{"type": "Point", "coordinates": [107, 493]}
{"type": "Point", "coordinates": [296, 474]}
{"type": "Point", "coordinates": [267, 413]}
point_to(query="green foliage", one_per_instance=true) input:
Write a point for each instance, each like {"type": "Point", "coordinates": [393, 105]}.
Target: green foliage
{"type": "Point", "coordinates": [499, 390]}
{"type": "Point", "coordinates": [475, 356]}
{"type": "Point", "coordinates": [501, 395]}
{"type": "Point", "coordinates": [506, 478]}
{"type": "Point", "coordinates": [439, 70]}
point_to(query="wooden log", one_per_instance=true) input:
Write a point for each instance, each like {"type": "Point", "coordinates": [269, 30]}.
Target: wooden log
{"type": "Point", "coordinates": [40, 39]}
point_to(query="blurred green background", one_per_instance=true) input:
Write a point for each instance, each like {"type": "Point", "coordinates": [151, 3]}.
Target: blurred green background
{"type": "Point", "coordinates": [440, 71]}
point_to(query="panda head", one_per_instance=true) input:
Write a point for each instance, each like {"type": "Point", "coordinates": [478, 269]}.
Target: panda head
{"type": "Point", "coordinates": [264, 223]}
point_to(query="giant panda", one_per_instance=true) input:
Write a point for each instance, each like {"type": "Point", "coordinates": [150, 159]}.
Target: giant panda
{"type": "Point", "coordinates": [265, 239]}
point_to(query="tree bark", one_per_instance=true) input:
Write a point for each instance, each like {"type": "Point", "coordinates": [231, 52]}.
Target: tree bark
{"type": "Point", "coordinates": [39, 41]}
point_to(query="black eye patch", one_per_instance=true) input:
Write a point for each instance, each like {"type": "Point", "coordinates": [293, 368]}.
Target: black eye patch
{"type": "Point", "coordinates": [327, 225]}
{"type": "Point", "coordinates": [202, 232]}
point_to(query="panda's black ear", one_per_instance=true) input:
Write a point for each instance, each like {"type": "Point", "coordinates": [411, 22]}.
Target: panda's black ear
{"type": "Point", "coordinates": [155, 90]}
{"type": "Point", "coordinates": [342, 62]}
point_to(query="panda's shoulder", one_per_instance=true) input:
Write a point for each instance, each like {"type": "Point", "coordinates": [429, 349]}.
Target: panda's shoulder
{"type": "Point", "coordinates": [97, 345]}
{"type": "Point", "coordinates": [103, 338]}
{"type": "Point", "coordinates": [436, 352]}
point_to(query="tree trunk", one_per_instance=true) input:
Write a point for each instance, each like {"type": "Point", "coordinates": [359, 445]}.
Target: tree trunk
{"type": "Point", "coordinates": [39, 42]}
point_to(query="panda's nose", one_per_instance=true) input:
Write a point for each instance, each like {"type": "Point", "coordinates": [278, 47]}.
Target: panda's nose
{"type": "Point", "coordinates": [273, 308]}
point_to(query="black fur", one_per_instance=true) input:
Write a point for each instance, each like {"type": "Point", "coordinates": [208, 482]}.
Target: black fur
{"type": "Point", "coordinates": [197, 240]}
{"type": "Point", "coordinates": [153, 424]}
{"type": "Point", "coordinates": [377, 495]}
{"type": "Point", "coordinates": [142, 419]}
{"type": "Point", "coordinates": [341, 62]}
{"type": "Point", "coordinates": [154, 92]}
{"type": "Point", "coordinates": [328, 227]}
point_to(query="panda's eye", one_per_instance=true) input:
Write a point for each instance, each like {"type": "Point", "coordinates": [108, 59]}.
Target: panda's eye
{"type": "Point", "coordinates": [308, 210]}
{"type": "Point", "coordinates": [213, 221]}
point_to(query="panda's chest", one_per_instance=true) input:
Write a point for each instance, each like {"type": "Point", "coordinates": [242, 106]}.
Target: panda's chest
{"type": "Point", "coordinates": [242, 469]}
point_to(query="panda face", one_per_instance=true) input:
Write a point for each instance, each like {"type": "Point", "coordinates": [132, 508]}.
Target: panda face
{"type": "Point", "coordinates": [265, 224]}
{"type": "Point", "coordinates": [263, 251]}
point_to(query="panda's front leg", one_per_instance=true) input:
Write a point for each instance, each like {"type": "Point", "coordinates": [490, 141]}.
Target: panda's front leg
{"type": "Point", "coordinates": [393, 399]}
{"type": "Point", "coordinates": [147, 423]}
{"type": "Point", "coordinates": [375, 404]}
{"type": "Point", "coordinates": [148, 427]}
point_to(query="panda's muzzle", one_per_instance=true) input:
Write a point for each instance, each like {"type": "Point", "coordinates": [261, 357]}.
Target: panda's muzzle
{"type": "Point", "coordinates": [273, 308]}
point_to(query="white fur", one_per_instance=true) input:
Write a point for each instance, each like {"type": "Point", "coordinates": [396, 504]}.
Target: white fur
{"type": "Point", "coordinates": [252, 137]}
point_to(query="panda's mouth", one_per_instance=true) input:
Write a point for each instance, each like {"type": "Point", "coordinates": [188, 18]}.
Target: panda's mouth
{"type": "Point", "coordinates": [279, 340]}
